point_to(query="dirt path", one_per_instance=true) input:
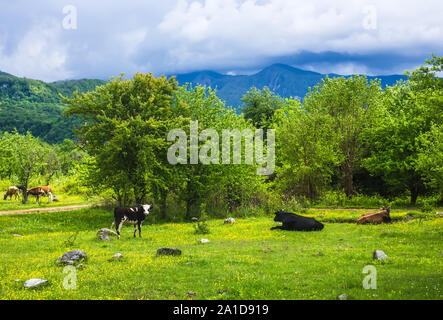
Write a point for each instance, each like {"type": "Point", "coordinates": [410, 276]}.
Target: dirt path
{"type": "Point", "coordinates": [37, 210]}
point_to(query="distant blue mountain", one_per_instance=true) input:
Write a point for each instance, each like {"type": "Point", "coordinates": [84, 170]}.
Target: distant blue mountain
{"type": "Point", "coordinates": [283, 79]}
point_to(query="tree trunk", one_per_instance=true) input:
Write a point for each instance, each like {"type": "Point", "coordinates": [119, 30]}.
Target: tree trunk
{"type": "Point", "coordinates": [348, 180]}
{"type": "Point", "coordinates": [414, 195]}
{"type": "Point", "coordinates": [163, 207]}
{"type": "Point", "coordinates": [25, 191]}
{"type": "Point", "coordinates": [189, 204]}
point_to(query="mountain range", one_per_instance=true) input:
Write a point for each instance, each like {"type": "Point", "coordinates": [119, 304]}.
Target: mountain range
{"type": "Point", "coordinates": [35, 106]}
{"type": "Point", "coordinates": [284, 80]}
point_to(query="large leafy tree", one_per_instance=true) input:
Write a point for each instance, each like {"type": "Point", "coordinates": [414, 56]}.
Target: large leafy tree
{"type": "Point", "coordinates": [260, 106]}
{"type": "Point", "coordinates": [399, 141]}
{"type": "Point", "coordinates": [24, 156]}
{"type": "Point", "coordinates": [205, 183]}
{"type": "Point", "coordinates": [352, 103]}
{"type": "Point", "coordinates": [125, 124]}
{"type": "Point", "coordinates": [430, 159]}
{"type": "Point", "coordinates": [307, 152]}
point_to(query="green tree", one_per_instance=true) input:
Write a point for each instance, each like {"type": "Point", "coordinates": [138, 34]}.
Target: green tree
{"type": "Point", "coordinates": [260, 106]}
{"type": "Point", "coordinates": [430, 159]}
{"type": "Point", "coordinates": [307, 150]}
{"type": "Point", "coordinates": [125, 124]}
{"type": "Point", "coordinates": [202, 183]}
{"type": "Point", "coordinates": [24, 155]}
{"type": "Point", "coordinates": [398, 141]}
{"type": "Point", "coordinates": [352, 103]}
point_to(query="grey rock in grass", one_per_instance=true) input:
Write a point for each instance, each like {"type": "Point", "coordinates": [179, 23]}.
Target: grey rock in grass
{"type": "Point", "coordinates": [379, 255]}
{"type": "Point", "coordinates": [169, 252]}
{"type": "Point", "coordinates": [106, 232]}
{"type": "Point", "coordinates": [71, 257]}
{"type": "Point", "coordinates": [229, 221]}
{"type": "Point", "coordinates": [204, 241]}
{"type": "Point", "coordinates": [343, 297]}
{"type": "Point", "coordinates": [194, 219]}
{"type": "Point", "coordinates": [34, 283]}
{"type": "Point", "coordinates": [439, 214]}
{"type": "Point", "coordinates": [18, 235]}
{"type": "Point", "coordinates": [117, 256]}
{"type": "Point", "coordinates": [104, 237]}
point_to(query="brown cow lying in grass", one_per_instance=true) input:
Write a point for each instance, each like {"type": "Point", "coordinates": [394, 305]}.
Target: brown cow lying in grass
{"type": "Point", "coordinates": [376, 217]}
{"type": "Point", "coordinates": [12, 191]}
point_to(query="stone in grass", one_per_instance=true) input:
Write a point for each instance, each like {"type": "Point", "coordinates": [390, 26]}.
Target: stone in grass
{"type": "Point", "coordinates": [191, 294]}
{"type": "Point", "coordinates": [343, 297]}
{"type": "Point", "coordinates": [169, 252]}
{"type": "Point", "coordinates": [71, 257]}
{"type": "Point", "coordinates": [117, 256]}
{"type": "Point", "coordinates": [34, 283]}
{"type": "Point", "coordinates": [379, 255]}
{"type": "Point", "coordinates": [106, 232]}
{"type": "Point", "coordinates": [229, 221]}
{"type": "Point", "coordinates": [104, 237]}
{"type": "Point", "coordinates": [204, 241]}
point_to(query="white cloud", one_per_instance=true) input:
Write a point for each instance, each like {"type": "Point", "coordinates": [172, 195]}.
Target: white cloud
{"type": "Point", "coordinates": [38, 54]}
{"type": "Point", "coordinates": [185, 35]}
{"type": "Point", "coordinates": [219, 29]}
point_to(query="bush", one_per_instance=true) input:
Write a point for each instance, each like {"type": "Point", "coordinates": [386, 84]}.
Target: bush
{"type": "Point", "coordinates": [201, 228]}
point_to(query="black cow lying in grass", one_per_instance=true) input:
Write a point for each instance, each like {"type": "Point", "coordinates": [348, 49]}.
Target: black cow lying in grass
{"type": "Point", "coordinates": [294, 222]}
{"type": "Point", "coordinates": [134, 216]}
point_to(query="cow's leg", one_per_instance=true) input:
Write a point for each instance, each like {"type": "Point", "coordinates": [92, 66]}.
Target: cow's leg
{"type": "Point", "coordinates": [118, 226]}
{"type": "Point", "coordinates": [135, 230]}
{"type": "Point", "coordinates": [139, 229]}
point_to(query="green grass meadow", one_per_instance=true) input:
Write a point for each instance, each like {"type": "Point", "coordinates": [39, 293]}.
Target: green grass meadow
{"type": "Point", "coordinates": [245, 260]}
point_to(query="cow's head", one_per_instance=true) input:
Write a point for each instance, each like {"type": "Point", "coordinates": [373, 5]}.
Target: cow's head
{"type": "Point", "coordinates": [279, 215]}
{"type": "Point", "coordinates": [146, 207]}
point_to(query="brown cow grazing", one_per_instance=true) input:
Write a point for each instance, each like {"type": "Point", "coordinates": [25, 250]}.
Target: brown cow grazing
{"type": "Point", "coordinates": [41, 191]}
{"type": "Point", "coordinates": [12, 191]}
{"type": "Point", "coordinates": [382, 216]}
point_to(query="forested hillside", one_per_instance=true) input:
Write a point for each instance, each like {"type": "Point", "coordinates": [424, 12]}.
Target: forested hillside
{"type": "Point", "coordinates": [33, 105]}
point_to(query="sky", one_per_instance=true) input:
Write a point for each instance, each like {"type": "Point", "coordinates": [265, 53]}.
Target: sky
{"type": "Point", "coordinates": [54, 40]}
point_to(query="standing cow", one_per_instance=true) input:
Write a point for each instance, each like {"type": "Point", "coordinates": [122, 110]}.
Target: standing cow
{"type": "Point", "coordinates": [12, 191]}
{"type": "Point", "coordinates": [40, 191]}
{"type": "Point", "coordinates": [134, 216]}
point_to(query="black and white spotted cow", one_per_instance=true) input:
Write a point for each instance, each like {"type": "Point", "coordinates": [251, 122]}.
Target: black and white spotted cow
{"type": "Point", "coordinates": [134, 216]}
